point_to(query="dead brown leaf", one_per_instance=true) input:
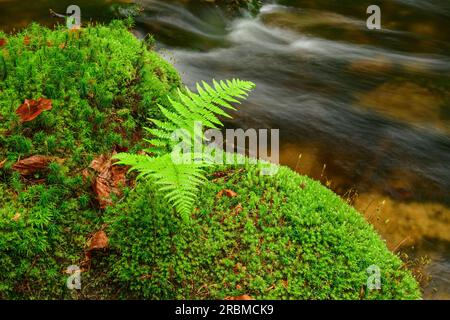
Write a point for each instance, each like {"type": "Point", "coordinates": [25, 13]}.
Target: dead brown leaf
{"type": "Point", "coordinates": [30, 109]}
{"type": "Point", "coordinates": [98, 241]}
{"type": "Point", "coordinates": [16, 217]}
{"type": "Point", "coordinates": [85, 174]}
{"type": "Point", "coordinates": [31, 165]}
{"type": "Point", "coordinates": [102, 189]}
{"type": "Point", "coordinates": [3, 42]}
{"type": "Point", "coordinates": [238, 209]}
{"type": "Point", "coordinates": [227, 192]}
{"type": "Point", "coordinates": [2, 163]}
{"type": "Point", "coordinates": [100, 163]}
{"type": "Point", "coordinates": [109, 180]}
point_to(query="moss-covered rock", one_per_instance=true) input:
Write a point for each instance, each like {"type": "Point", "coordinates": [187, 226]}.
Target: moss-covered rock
{"type": "Point", "coordinates": [282, 237]}
{"type": "Point", "coordinates": [103, 84]}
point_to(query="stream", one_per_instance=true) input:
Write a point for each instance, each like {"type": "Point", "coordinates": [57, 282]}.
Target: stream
{"type": "Point", "coordinates": [366, 112]}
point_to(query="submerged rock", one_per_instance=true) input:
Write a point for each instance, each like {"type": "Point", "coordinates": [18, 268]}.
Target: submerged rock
{"type": "Point", "coordinates": [407, 102]}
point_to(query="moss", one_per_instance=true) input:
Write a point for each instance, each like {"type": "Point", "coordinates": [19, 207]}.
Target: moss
{"type": "Point", "coordinates": [92, 76]}
{"type": "Point", "coordinates": [103, 84]}
{"type": "Point", "coordinates": [281, 237]}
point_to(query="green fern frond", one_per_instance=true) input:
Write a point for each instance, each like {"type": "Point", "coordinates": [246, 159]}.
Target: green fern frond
{"type": "Point", "coordinates": [179, 176]}
{"type": "Point", "coordinates": [179, 181]}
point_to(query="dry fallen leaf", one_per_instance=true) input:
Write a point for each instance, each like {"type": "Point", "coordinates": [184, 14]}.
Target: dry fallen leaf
{"type": "Point", "coordinates": [16, 217]}
{"type": "Point", "coordinates": [243, 297]}
{"type": "Point", "coordinates": [102, 189]}
{"type": "Point", "coordinates": [227, 192]}
{"type": "Point", "coordinates": [30, 109]}
{"type": "Point", "coordinates": [238, 209]}
{"type": "Point", "coordinates": [2, 42]}
{"type": "Point", "coordinates": [100, 163]}
{"type": "Point", "coordinates": [26, 40]}
{"type": "Point", "coordinates": [2, 163]}
{"type": "Point", "coordinates": [109, 180]}
{"type": "Point", "coordinates": [98, 241]}
{"type": "Point", "coordinates": [85, 174]}
{"type": "Point", "coordinates": [33, 164]}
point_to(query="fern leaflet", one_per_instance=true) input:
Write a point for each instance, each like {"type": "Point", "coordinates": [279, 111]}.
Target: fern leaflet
{"type": "Point", "coordinates": [179, 176]}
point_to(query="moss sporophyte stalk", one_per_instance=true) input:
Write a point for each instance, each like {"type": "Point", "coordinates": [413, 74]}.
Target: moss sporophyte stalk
{"type": "Point", "coordinates": [66, 201]}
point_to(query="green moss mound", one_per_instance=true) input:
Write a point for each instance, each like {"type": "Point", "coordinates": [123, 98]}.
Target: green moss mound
{"type": "Point", "coordinates": [103, 84]}
{"type": "Point", "coordinates": [280, 237]}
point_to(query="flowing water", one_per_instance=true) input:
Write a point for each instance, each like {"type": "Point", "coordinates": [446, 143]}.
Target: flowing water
{"type": "Point", "coordinates": [367, 112]}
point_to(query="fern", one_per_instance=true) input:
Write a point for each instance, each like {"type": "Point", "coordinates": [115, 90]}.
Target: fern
{"type": "Point", "coordinates": [192, 108]}
{"type": "Point", "coordinates": [178, 181]}
{"type": "Point", "coordinates": [178, 176]}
